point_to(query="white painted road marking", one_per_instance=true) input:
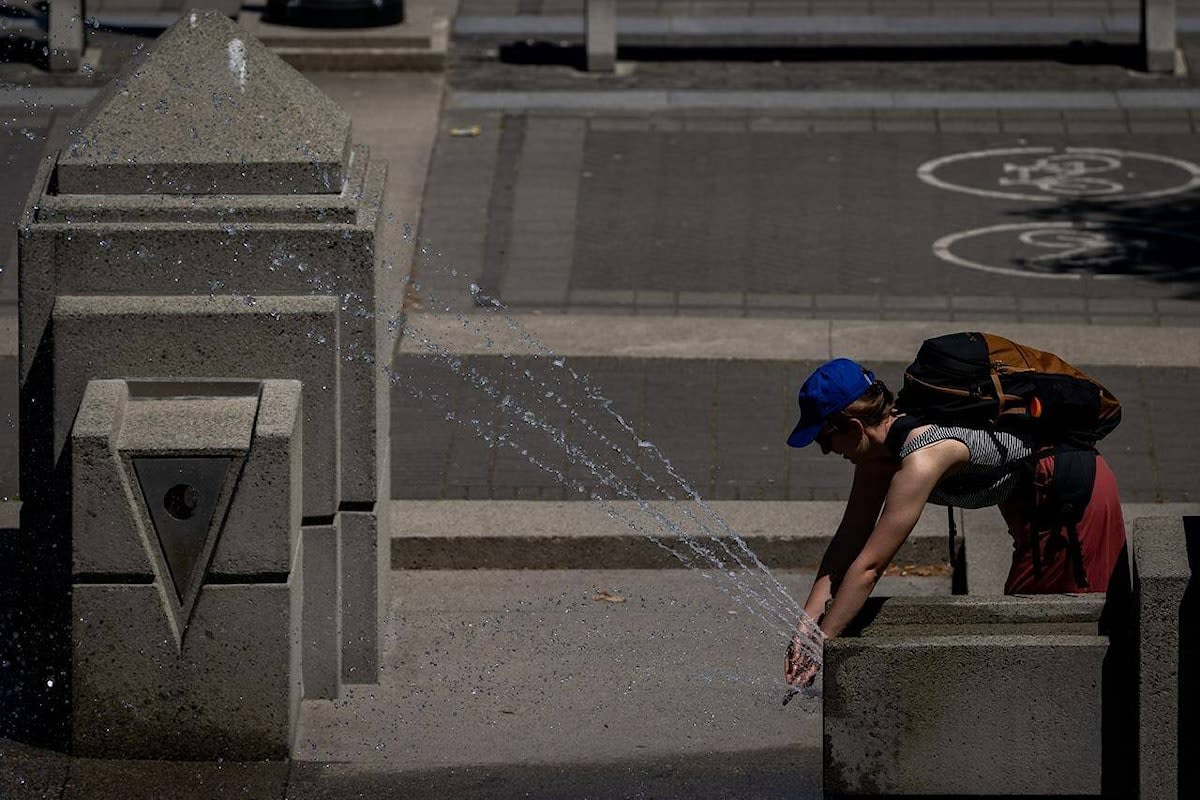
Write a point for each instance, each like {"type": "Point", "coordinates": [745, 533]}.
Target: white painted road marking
{"type": "Point", "coordinates": [1092, 173]}
{"type": "Point", "coordinates": [1075, 249]}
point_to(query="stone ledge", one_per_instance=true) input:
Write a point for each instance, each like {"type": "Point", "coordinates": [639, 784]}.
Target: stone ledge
{"type": "Point", "coordinates": [517, 534]}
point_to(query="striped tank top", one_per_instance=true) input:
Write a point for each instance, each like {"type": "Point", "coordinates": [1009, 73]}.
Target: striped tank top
{"type": "Point", "coordinates": [993, 468]}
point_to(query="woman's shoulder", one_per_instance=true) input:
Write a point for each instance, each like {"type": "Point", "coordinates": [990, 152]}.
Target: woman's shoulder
{"type": "Point", "coordinates": [973, 439]}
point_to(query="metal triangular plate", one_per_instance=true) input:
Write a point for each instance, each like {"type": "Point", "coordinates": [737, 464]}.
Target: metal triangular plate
{"type": "Point", "coordinates": [181, 496]}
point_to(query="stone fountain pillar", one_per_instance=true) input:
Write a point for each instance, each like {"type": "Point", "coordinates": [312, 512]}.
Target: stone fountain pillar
{"type": "Point", "coordinates": [209, 220]}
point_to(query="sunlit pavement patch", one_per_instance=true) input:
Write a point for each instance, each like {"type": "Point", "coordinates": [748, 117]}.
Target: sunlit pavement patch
{"type": "Point", "coordinates": [1073, 250]}
{"type": "Point", "coordinates": [1051, 174]}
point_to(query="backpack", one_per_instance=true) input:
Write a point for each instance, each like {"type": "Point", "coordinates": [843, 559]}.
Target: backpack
{"type": "Point", "coordinates": [986, 381]}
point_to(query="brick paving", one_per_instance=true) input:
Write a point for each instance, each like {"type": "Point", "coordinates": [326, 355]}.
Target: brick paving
{"type": "Point", "coordinates": [799, 214]}
{"type": "Point", "coordinates": [721, 423]}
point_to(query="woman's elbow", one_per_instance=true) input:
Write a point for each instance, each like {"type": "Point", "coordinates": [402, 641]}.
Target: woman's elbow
{"type": "Point", "coordinates": [870, 571]}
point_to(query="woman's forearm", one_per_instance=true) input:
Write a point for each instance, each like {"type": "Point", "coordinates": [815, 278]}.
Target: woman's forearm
{"type": "Point", "coordinates": [851, 596]}
{"type": "Point", "coordinates": [822, 591]}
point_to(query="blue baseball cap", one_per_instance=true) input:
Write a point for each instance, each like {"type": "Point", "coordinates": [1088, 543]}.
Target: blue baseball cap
{"type": "Point", "coordinates": [833, 386]}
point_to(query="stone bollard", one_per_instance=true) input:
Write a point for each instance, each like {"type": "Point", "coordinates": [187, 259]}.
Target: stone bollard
{"type": "Point", "coordinates": [212, 219]}
{"type": "Point", "coordinates": [967, 696]}
{"type": "Point", "coordinates": [601, 35]}
{"type": "Point", "coordinates": [187, 593]}
{"type": "Point", "coordinates": [65, 35]}
{"type": "Point", "coordinates": [1158, 36]}
{"type": "Point", "coordinates": [1166, 560]}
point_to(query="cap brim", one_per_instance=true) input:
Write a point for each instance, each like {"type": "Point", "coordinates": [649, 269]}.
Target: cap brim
{"type": "Point", "coordinates": [804, 434]}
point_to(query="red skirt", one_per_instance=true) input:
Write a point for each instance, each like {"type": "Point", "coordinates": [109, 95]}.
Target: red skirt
{"type": "Point", "coordinates": [1101, 537]}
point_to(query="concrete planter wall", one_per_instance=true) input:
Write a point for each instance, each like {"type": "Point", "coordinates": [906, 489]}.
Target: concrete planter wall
{"type": "Point", "coordinates": [968, 696]}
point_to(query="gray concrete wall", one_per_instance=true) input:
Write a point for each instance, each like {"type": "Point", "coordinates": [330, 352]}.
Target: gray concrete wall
{"type": "Point", "coordinates": [967, 696]}
{"type": "Point", "coordinates": [1166, 554]}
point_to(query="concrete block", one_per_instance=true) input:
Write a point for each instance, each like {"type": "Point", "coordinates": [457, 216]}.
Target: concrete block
{"type": "Point", "coordinates": [106, 538]}
{"type": "Point", "coordinates": [962, 700]}
{"type": "Point", "coordinates": [359, 567]}
{"type": "Point", "coordinates": [197, 337]}
{"type": "Point", "coordinates": [260, 260]}
{"type": "Point", "coordinates": [321, 636]}
{"type": "Point", "coordinates": [1158, 35]}
{"type": "Point", "coordinates": [200, 113]}
{"type": "Point", "coordinates": [1166, 552]}
{"type": "Point", "coordinates": [66, 34]}
{"type": "Point", "coordinates": [116, 419]}
{"type": "Point", "coordinates": [263, 522]}
{"type": "Point", "coordinates": [226, 693]}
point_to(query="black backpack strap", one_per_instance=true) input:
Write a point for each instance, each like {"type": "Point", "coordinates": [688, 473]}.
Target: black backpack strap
{"type": "Point", "coordinates": [1074, 477]}
{"type": "Point", "coordinates": [902, 426]}
{"type": "Point", "coordinates": [953, 532]}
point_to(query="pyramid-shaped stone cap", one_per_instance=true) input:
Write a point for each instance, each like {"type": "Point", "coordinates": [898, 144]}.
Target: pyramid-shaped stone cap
{"type": "Point", "coordinates": [208, 110]}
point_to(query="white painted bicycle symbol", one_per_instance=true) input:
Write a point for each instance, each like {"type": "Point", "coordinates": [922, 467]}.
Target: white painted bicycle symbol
{"type": "Point", "coordinates": [1046, 174]}
{"type": "Point", "coordinates": [1067, 174]}
{"type": "Point", "coordinates": [1071, 250]}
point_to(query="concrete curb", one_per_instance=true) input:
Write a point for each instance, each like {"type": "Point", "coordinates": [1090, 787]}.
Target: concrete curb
{"type": "Point", "coordinates": [517, 534]}
{"type": "Point", "coordinates": [780, 339]}
{"type": "Point", "coordinates": [539, 534]}
{"type": "Point", "coordinates": [678, 100]}
{"type": "Point", "coordinates": [879, 27]}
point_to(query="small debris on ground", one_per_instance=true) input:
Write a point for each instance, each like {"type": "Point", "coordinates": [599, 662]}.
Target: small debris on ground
{"type": "Point", "coordinates": [919, 570]}
{"type": "Point", "coordinates": [467, 130]}
{"type": "Point", "coordinates": [608, 597]}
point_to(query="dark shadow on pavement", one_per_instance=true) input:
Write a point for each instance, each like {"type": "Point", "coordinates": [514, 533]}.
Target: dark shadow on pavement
{"type": "Point", "coordinates": [1155, 239]}
{"type": "Point", "coordinates": [792, 773]}
{"type": "Point", "coordinates": [17, 49]}
{"type": "Point", "coordinates": [545, 53]}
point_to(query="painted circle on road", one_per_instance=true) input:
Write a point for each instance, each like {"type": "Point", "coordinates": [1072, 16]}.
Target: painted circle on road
{"type": "Point", "coordinates": [1073, 250]}
{"type": "Point", "coordinates": [1048, 174]}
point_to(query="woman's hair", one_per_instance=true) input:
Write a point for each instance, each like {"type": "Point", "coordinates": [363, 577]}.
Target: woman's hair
{"type": "Point", "coordinates": [872, 408]}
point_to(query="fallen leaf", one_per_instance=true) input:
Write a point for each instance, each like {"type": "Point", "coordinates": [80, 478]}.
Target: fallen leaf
{"type": "Point", "coordinates": [608, 597]}
{"type": "Point", "coordinates": [919, 570]}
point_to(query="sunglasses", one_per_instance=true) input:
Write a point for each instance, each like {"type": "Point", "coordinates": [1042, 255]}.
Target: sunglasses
{"type": "Point", "coordinates": [824, 438]}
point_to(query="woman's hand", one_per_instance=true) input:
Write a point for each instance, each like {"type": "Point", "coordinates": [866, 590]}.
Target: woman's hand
{"type": "Point", "coordinates": [805, 652]}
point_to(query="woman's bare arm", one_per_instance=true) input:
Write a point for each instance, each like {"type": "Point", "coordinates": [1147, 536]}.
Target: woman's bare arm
{"type": "Point", "coordinates": [870, 486]}
{"type": "Point", "coordinates": [905, 499]}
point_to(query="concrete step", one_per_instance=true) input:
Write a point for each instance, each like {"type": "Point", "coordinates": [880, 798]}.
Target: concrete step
{"type": "Point", "coordinates": [839, 30]}
{"type": "Point", "coordinates": [417, 44]}
{"type": "Point", "coordinates": [783, 339]}
{"type": "Point", "coordinates": [519, 534]}
{"type": "Point", "coordinates": [547, 535]}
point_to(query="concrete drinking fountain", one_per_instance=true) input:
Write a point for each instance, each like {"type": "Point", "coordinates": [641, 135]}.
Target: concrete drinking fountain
{"type": "Point", "coordinates": [208, 163]}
